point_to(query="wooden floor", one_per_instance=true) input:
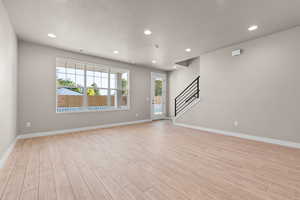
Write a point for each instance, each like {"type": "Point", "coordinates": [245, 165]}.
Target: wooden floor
{"type": "Point", "coordinates": [151, 161]}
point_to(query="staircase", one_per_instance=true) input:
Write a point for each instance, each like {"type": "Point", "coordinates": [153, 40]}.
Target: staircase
{"type": "Point", "coordinates": [187, 96]}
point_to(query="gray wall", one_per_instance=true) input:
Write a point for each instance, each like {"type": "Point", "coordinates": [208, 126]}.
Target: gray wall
{"type": "Point", "coordinates": [8, 81]}
{"type": "Point", "coordinates": [37, 92]}
{"type": "Point", "coordinates": [179, 79]}
{"type": "Point", "coordinates": [260, 89]}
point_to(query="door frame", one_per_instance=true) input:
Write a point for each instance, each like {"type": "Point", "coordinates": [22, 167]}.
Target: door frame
{"type": "Point", "coordinates": [164, 93]}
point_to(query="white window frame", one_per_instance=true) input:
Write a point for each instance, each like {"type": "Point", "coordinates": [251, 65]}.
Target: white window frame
{"type": "Point", "coordinates": [85, 106]}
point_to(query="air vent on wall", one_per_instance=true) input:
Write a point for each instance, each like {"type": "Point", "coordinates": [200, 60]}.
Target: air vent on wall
{"type": "Point", "coordinates": [236, 52]}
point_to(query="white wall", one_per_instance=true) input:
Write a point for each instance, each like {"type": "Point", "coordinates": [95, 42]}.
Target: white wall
{"type": "Point", "coordinates": [179, 80]}
{"type": "Point", "coordinates": [8, 81]}
{"type": "Point", "coordinates": [260, 89]}
{"type": "Point", "coordinates": [37, 92]}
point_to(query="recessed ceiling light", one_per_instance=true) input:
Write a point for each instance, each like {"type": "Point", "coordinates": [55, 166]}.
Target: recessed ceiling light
{"type": "Point", "coordinates": [253, 28]}
{"type": "Point", "coordinates": [188, 50]}
{"type": "Point", "coordinates": [175, 67]}
{"type": "Point", "coordinates": [116, 52]}
{"type": "Point", "coordinates": [51, 35]}
{"type": "Point", "coordinates": [147, 32]}
{"type": "Point", "coordinates": [153, 61]}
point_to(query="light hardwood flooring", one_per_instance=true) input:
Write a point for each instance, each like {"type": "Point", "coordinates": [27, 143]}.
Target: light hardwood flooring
{"type": "Point", "coordinates": [150, 161]}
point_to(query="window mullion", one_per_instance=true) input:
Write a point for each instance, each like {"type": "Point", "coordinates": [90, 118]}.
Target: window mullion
{"type": "Point", "coordinates": [66, 65]}
{"type": "Point", "coordinates": [85, 89]}
{"type": "Point", "coordinates": [75, 75]}
{"type": "Point", "coordinates": [119, 87]}
{"type": "Point", "coordinates": [108, 90]}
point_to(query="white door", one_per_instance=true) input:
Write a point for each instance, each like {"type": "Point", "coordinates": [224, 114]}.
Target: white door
{"type": "Point", "coordinates": [158, 95]}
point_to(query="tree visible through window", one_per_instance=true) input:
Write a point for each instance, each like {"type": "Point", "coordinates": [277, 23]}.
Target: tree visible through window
{"type": "Point", "coordinates": [83, 86]}
{"type": "Point", "coordinates": [158, 87]}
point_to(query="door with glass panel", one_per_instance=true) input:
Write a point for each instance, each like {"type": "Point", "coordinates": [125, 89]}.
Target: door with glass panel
{"type": "Point", "coordinates": [158, 95]}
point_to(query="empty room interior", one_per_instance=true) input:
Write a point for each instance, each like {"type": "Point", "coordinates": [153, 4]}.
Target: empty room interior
{"type": "Point", "coordinates": [150, 100]}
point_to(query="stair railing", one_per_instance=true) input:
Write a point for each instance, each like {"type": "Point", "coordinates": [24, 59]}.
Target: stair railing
{"type": "Point", "coordinates": [187, 96]}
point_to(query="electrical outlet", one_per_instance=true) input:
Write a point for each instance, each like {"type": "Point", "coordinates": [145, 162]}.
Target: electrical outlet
{"type": "Point", "coordinates": [235, 123]}
{"type": "Point", "coordinates": [137, 114]}
{"type": "Point", "coordinates": [28, 124]}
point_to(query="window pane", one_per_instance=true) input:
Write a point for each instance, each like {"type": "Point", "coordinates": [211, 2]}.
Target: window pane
{"type": "Point", "coordinates": [97, 74]}
{"type": "Point", "coordinates": [114, 98]}
{"type": "Point", "coordinates": [125, 76]}
{"type": "Point", "coordinates": [79, 71]}
{"type": "Point", "coordinates": [97, 82]}
{"type": "Point", "coordinates": [71, 77]}
{"type": "Point", "coordinates": [89, 81]}
{"type": "Point", "coordinates": [124, 98]}
{"type": "Point", "coordinates": [104, 75]}
{"type": "Point", "coordinates": [158, 108]}
{"type": "Point", "coordinates": [120, 88]}
{"type": "Point", "coordinates": [158, 104]}
{"type": "Point", "coordinates": [60, 76]}
{"type": "Point", "coordinates": [80, 81]}
{"type": "Point", "coordinates": [119, 99]}
{"type": "Point", "coordinates": [103, 92]}
{"type": "Point", "coordinates": [97, 99]}
{"type": "Point", "coordinates": [90, 73]}
{"type": "Point", "coordinates": [113, 76]}
{"type": "Point", "coordinates": [71, 70]}
{"type": "Point", "coordinates": [69, 73]}
{"type": "Point", "coordinates": [158, 87]}
{"type": "Point", "coordinates": [69, 99]}
{"type": "Point", "coordinates": [124, 81]}
{"type": "Point", "coordinates": [90, 70]}
{"type": "Point", "coordinates": [69, 90]}
{"type": "Point", "coordinates": [65, 82]}
{"type": "Point", "coordinates": [60, 70]}
{"type": "Point", "coordinates": [113, 83]}
{"type": "Point", "coordinates": [104, 83]}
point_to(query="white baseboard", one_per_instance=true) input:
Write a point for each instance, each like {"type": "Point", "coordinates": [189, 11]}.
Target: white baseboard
{"type": "Point", "coordinates": [57, 132]}
{"type": "Point", "coordinates": [7, 153]}
{"type": "Point", "coordinates": [244, 136]}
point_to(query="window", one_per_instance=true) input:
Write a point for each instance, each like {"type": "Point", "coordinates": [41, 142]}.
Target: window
{"type": "Point", "coordinates": [83, 86]}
